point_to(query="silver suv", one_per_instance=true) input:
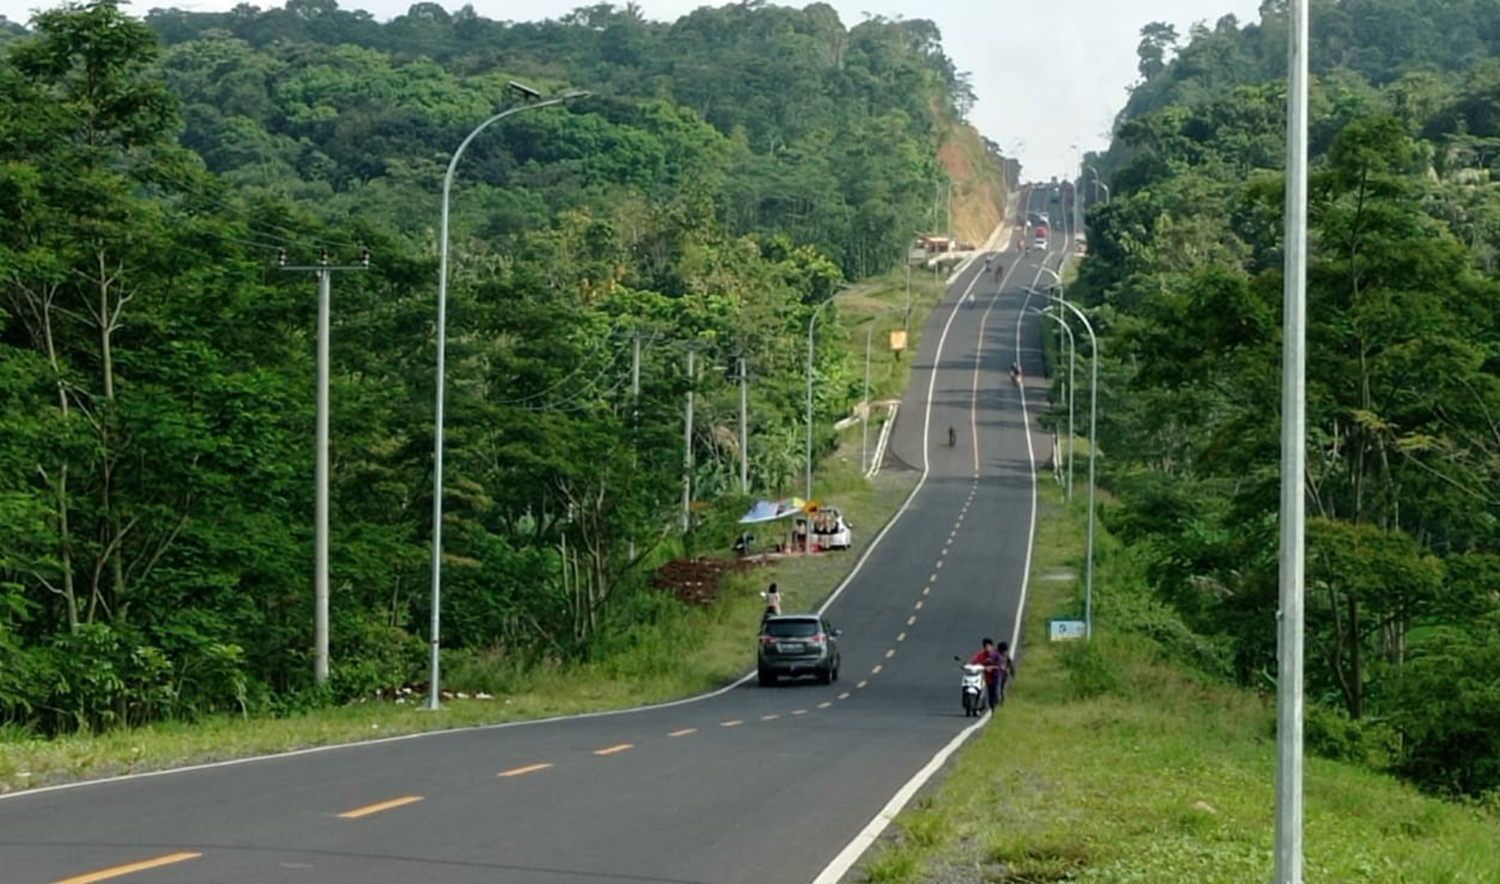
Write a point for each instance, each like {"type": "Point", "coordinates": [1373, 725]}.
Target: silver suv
{"type": "Point", "coordinates": [798, 644]}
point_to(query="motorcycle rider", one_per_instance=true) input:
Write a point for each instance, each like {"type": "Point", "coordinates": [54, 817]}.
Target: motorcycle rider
{"type": "Point", "coordinates": [992, 662]}
{"type": "Point", "coordinates": [1015, 372]}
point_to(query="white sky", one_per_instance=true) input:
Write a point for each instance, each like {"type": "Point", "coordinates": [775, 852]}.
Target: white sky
{"type": "Point", "coordinates": [1049, 73]}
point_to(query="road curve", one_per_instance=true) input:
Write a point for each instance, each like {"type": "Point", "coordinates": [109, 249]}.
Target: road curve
{"type": "Point", "coordinates": [750, 785]}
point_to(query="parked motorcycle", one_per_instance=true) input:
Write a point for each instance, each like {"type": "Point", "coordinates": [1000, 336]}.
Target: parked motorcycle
{"type": "Point", "coordinates": [973, 688]}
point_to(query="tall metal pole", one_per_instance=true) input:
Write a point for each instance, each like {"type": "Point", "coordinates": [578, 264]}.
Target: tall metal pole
{"type": "Point", "coordinates": [906, 317]}
{"type": "Point", "coordinates": [807, 487]}
{"type": "Point", "coordinates": [635, 367]}
{"type": "Point", "coordinates": [1293, 464]}
{"type": "Point", "coordinates": [744, 429]}
{"type": "Point", "coordinates": [812, 321]}
{"type": "Point", "coordinates": [687, 446]}
{"type": "Point", "coordinates": [1072, 353]}
{"type": "Point", "coordinates": [324, 271]}
{"type": "Point", "coordinates": [1088, 572]}
{"type": "Point", "coordinates": [864, 424]}
{"type": "Point", "coordinates": [442, 351]}
{"type": "Point", "coordinates": [320, 478]}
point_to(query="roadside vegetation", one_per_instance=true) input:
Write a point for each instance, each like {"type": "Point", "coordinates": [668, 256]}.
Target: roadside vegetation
{"type": "Point", "coordinates": [1122, 762]}
{"type": "Point", "coordinates": [157, 373]}
{"type": "Point", "coordinates": [1184, 279]}
{"type": "Point", "coordinates": [676, 650]}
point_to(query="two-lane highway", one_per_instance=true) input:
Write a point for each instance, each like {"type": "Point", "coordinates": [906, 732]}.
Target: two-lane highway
{"type": "Point", "coordinates": [747, 784]}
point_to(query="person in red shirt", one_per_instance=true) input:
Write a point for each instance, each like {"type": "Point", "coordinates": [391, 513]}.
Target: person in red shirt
{"type": "Point", "coordinates": [992, 662]}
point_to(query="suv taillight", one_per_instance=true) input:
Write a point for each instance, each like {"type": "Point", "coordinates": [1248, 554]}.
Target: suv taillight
{"type": "Point", "coordinates": [818, 639]}
{"type": "Point", "coordinates": [768, 639]}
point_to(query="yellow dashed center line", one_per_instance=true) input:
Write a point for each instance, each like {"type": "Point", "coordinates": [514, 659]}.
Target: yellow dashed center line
{"type": "Point", "coordinates": [769, 717]}
{"type": "Point", "coordinates": [518, 771]}
{"type": "Point", "coordinates": [684, 732]}
{"type": "Point", "coordinates": [939, 564]}
{"type": "Point", "coordinates": [368, 809]}
{"type": "Point", "coordinates": [933, 578]}
{"type": "Point", "coordinates": [890, 652]}
{"type": "Point", "coordinates": [926, 590]}
{"type": "Point", "coordinates": [844, 695]}
{"type": "Point", "coordinates": [611, 750]}
{"type": "Point", "coordinates": [861, 685]}
{"type": "Point", "coordinates": [825, 704]}
{"type": "Point", "coordinates": [919, 604]}
{"type": "Point", "coordinates": [901, 637]}
{"type": "Point", "coordinates": [876, 670]}
{"type": "Point", "coordinates": [799, 711]}
{"type": "Point", "coordinates": [732, 723]}
{"type": "Point", "coordinates": [912, 620]}
{"type": "Point", "coordinates": [128, 868]}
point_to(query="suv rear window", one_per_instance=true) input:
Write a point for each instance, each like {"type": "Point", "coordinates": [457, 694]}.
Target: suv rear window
{"type": "Point", "coordinates": [791, 628]}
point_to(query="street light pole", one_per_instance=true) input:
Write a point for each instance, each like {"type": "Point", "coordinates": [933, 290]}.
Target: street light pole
{"type": "Point", "coordinates": [1061, 290]}
{"type": "Point", "coordinates": [1088, 579]}
{"type": "Point", "coordinates": [442, 350]}
{"type": "Point", "coordinates": [864, 423]}
{"type": "Point", "coordinates": [1072, 353]}
{"type": "Point", "coordinates": [810, 323]}
{"type": "Point", "coordinates": [1289, 662]}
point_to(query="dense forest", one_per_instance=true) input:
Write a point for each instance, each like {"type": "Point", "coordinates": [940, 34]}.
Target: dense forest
{"type": "Point", "coordinates": [1403, 368]}
{"type": "Point", "coordinates": [725, 177]}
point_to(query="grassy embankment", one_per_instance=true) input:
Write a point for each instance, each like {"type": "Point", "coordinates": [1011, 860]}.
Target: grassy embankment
{"type": "Point", "coordinates": [1113, 764]}
{"type": "Point", "coordinates": [681, 655]}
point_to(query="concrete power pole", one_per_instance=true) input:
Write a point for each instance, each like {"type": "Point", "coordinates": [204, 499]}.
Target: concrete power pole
{"type": "Point", "coordinates": [325, 272]}
{"type": "Point", "coordinates": [744, 429]}
{"type": "Point", "coordinates": [687, 447]}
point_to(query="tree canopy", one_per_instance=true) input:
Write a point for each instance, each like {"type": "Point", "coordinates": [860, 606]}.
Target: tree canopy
{"type": "Point", "coordinates": [1185, 276]}
{"type": "Point", "coordinates": [729, 173]}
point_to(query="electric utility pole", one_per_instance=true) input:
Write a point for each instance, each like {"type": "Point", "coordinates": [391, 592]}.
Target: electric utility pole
{"type": "Point", "coordinates": [744, 379]}
{"type": "Point", "coordinates": [687, 444]}
{"type": "Point", "coordinates": [325, 272]}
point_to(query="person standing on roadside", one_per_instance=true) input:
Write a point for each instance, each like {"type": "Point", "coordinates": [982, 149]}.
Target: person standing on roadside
{"type": "Point", "coordinates": [1007, 667]}
{"type": "Point", "coordinates": [773, 603]}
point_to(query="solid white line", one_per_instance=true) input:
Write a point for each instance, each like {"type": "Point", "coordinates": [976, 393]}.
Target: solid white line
{"type": "Point", "coordinates": [867, 836]}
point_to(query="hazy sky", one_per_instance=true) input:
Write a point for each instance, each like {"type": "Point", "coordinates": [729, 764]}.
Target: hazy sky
{"type": "Point", "coordinates": [1049, 73]}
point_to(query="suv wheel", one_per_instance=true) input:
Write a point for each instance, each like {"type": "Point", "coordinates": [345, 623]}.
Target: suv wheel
{"type": "Point", "coordinates": [826, 676]}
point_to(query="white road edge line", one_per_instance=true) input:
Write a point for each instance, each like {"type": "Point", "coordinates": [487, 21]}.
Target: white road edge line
{"type": "Point", "coordinates": [867, 836]}
{"type": "Point", "coordinates": [864, 557]}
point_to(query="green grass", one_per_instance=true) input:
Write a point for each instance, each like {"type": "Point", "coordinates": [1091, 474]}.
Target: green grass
{"type": "Point", "coordinates": [680, 655]}
{"type": "Point", "coordinates": [1108, 764]}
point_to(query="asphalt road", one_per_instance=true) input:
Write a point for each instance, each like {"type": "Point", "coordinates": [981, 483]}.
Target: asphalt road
{"type": "Point", "coordinates": [749, 785]}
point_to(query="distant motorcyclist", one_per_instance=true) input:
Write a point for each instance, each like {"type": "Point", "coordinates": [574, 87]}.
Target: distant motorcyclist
{"type": "Point", "coordinates": [1015, 372]}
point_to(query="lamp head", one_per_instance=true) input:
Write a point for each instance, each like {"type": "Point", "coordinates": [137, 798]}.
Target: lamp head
{"type": "Point", "coordinates": [524, 91]}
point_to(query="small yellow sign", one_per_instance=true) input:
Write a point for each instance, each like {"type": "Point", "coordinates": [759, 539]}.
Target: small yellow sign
{"type": "Point", "coordinates": [898, 339]}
